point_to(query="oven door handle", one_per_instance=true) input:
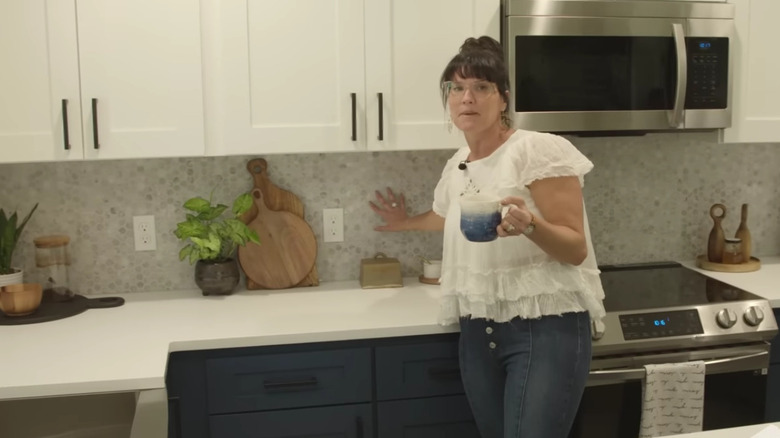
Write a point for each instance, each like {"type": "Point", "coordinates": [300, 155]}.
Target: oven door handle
{"type": "Point", "coordinates": [676, 114]}
{"type": "Point", "coordinates": [714, 366]}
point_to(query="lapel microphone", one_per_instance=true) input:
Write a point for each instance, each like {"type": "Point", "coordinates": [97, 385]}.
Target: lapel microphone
{"type": "Point", "coordinates": [462, 164]}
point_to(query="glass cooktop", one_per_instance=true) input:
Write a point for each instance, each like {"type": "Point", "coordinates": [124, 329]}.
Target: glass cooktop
{"type": "Point", "coordinates": [663, 285]}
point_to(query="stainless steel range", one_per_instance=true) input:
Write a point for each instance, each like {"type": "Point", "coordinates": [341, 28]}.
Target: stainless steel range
{"type": "Point", "coordinates": [666, 313]}
{"type": "Point", "coordinates": [660, 306]}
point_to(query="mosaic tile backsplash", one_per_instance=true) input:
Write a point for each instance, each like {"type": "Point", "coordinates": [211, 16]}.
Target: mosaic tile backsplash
{"type": "Point", "coordinates": [647, 199]}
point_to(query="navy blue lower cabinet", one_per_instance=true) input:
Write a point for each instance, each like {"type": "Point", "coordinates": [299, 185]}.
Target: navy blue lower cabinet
{"type": "Point", "coordinates": [772, 411]}
{"type": "Point", "coordinates": [265, 382]}
{"type": "Point", "coordinates": [346, 421]}
{"type": "Point", "coordinates": [417, 370]}
{"type": "Point", "coordinates": [390, 387]}
{"type": "Point", "coordinates": [435, 417]}
{"type": "Point", "coordinates": [187, 403]}
{"type": "Point", "coordinates": [174, 418]}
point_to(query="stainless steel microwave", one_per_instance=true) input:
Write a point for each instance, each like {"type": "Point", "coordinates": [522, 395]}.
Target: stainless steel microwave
{"type": "Point", "coordinates": [580, 66]}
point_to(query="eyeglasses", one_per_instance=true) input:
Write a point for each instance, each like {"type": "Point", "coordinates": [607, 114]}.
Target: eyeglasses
{"type": "Point", "coordinates": [479, 89]}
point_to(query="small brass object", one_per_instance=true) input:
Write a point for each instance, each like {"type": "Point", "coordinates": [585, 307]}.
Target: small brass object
{"type": "Point", "coordinates": [380, 271]}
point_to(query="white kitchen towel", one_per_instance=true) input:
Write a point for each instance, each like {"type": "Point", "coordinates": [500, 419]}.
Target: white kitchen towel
{"type": "Point", "coordinates": [672, 399]}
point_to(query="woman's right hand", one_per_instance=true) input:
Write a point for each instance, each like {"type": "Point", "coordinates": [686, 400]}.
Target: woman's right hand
{"type": "Point", "coordinates": [392, 209]}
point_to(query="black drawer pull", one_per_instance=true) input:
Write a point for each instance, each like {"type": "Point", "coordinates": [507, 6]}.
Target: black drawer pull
{"type": "Point", "coordinates": [381, 136]}
{"type": "Point", "coordinates": [444, 373]}
{"type": "Point", "coordinates": [359, 424]}
{"type": "Point", "coordinates": [353, 97]}
{"type": "Point", "coordinates": [290, 385]}
{"type": "Point", "coordinates": [65, 123]}
{"type": "Point", "coordinates": [95, 140]}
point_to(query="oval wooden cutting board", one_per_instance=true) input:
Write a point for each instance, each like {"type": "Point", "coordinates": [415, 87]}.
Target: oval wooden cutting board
{"type": "Point", "coordinates": [287, 250]}
{"type": "Point", "coordinates": [276, 199]}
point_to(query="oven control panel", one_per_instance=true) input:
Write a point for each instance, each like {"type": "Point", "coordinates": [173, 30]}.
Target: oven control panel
{"type": "Point", "coordinates": [660, 324]}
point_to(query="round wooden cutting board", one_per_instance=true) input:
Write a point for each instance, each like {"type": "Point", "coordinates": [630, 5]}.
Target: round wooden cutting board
{"type": "Point", "coordinates": [287, 250]}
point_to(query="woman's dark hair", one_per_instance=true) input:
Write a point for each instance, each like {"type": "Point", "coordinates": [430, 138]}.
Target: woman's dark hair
{"type": "Point", "coordinates": [479, 58]}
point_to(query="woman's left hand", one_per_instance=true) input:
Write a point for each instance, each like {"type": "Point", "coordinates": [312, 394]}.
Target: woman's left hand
{"type": "Point", "coordinates": [516, 219]}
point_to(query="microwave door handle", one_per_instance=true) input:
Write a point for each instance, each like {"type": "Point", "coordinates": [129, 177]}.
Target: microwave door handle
{"type": "Point", "coordinates": [626, 374]}
{"type": "Point", "coordinates": [676, 114]}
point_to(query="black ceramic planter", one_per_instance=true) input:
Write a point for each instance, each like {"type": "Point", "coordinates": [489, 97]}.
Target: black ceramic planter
{"type": "Point", "coordinates": [217, 278]}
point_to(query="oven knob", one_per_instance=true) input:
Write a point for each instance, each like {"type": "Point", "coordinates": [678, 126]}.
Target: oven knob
{"type": "Point", "coordinates": [597, 329]}
{"type": "Point", "coordinates": [726, 318]}
{"type": "Point", "coordinates": [753, 316]}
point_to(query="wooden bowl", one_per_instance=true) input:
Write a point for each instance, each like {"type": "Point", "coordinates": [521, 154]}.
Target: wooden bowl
{"type": "Point", "coordinates": [20, 299]}
{"type": "Point", "coordinates": [751, 265]}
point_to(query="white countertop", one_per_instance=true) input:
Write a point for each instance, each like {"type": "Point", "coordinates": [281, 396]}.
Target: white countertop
{"type": "Point", "coordinates": [764, 282]}
{"type": "Point", "coordinates": [126, 348]}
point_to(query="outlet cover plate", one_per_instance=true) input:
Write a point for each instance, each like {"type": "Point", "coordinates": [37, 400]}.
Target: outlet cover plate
{"type": "Point", "coordinates": [144, 233]}
{"type": "Point", "coordinates": [333, 224]}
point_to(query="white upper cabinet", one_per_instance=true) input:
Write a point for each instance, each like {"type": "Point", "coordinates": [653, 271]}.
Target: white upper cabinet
{"type": "Point", "coordinates": [306, 76]}
{"type": "Point", "coordinates": [141, 69]}
{"type": "Point", "coordinates": [129, 71]}
{"type": "Point", "coordinates": [38, 81]}
{"type": "Point", "coordinates": [408, 45]}
{"type": "Point", "coordinates": [289, 77]}
{"type": "Point", "coordinates": [756, 88]}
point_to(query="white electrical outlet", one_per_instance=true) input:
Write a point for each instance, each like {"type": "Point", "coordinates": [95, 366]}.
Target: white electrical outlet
{"type": "Point", "coordinates": [144, 233]}
{"type": "Point", "coordinates": [333, 224]}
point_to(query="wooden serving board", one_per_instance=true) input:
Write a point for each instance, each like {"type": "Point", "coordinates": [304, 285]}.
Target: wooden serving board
{"type": "Point", "coordinates": [426, 280]}
{"type": "Point", "coordinates": [753, 264]}
{"type": "Point", "coordinates": [276, 200]}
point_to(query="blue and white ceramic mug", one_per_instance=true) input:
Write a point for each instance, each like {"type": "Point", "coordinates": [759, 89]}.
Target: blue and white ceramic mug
{"type": "Point", "coordinates": [480, 215]}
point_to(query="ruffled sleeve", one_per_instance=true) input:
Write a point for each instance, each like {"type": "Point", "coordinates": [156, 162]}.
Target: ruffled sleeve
{"type": "Point", "coordinates": [543, 155]}
{"type": "Point", "coordinates": [442, 194]}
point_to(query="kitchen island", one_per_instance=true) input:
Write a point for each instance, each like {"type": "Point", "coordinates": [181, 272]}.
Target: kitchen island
{"type": "Point", "coordinates": [125, 349]}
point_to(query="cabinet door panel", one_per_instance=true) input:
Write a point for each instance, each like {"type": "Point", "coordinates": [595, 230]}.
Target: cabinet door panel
{"type": "Point", "coordinates": [288, 380]}
{"type": "Point", "coordinates": [40, 69]}
{"type": "Point", "coordinates": [351, 421]}
{"type": "Point", "coordinates": [437, 417]}
{"type": "Point", "coordinates": [408, 44]}
{"type": "Point", "coordinates": [774, 352]}
{"type": "Point", "coordinates": [772, 412]}
{"type": "Point", "coordinates": [289, 69]}
{"type": "Point", "coordinates": [141, 60]}
{"type": "Point", "coordinates": [420, 370]}
{"type": "Point", "coordinates": [756, 90]}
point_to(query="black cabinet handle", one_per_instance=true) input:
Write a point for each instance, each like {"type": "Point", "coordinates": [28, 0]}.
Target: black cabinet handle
{"type": "Point", "coordinates": [95, 140]}
{"type": "Point", "coordinates": [359, 425]}
{"type": "Point", "coordinates": [174, 418]}
{"type": "Point", "coordinates": [65, 124]}
{"type": "Point", "coordinates": [381, 118]}
{"type": "Point", "coordinates": [289, 385]}
{"type": "Point", "coordinates": [353, 96]}
{"type": "Point", "coordinates": [444, 373]}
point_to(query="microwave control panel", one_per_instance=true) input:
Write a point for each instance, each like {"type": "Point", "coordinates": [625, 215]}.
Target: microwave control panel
{"type": "Point", "coordinates": [708, 71]}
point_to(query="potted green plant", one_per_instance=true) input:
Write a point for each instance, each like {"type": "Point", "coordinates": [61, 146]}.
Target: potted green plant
{"type": "Point", "coordinates": [212, 240]}
{"type": "Point", "coordinates": [9, 236]}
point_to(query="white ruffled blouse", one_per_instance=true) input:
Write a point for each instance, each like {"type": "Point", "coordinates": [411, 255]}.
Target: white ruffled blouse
{"type": "Point", "coordinates": [511, 276]}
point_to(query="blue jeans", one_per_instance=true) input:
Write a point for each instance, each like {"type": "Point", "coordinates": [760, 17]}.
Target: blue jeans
{"type": "Point", "coordinates": [524, 378]}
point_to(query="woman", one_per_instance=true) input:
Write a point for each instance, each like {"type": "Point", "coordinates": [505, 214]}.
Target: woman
{"type": "Point", "coordinates": [524, 301]}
